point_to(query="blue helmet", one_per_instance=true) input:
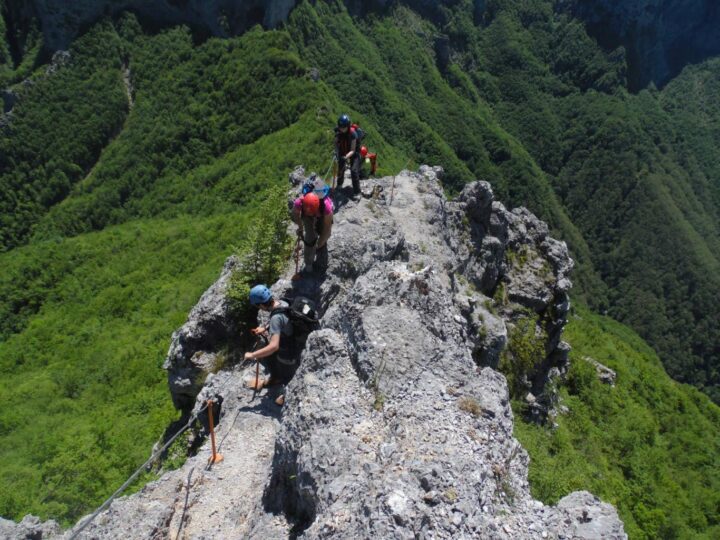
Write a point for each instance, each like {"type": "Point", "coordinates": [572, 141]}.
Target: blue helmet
{"type": "Point", "coordinates": [260, 294]}
{"type": "Point", "coordinates": [344, 121]}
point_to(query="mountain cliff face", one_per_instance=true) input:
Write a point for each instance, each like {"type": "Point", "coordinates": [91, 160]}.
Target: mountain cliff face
{"type": "Point", "coordinates": [660, 36]}
{"type": "Point", "coordinates": [394, 426]}
{"type": "Point", "coordinates": [62, 21]}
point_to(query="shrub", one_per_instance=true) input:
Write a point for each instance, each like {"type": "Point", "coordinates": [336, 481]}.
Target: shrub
{"type": "Point", "coordinates": [525, 349]}
{"type": "Point", "coordinates": [263, 252]}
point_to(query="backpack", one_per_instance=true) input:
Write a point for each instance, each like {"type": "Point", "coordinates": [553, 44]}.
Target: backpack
{"type": "Point", "coordinates": [302, 313]}
{"type": "Point", "coordinates": [360, 132]}
{"type": "Point", "coordinates": [317, 186]}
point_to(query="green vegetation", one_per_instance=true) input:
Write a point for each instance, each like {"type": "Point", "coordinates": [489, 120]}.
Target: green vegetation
{"type": "Point", "coordinates": [525, 349]}
{"type": "Point", "coordinates": [264, 252]}
{"type": "Point", "coordinates": [648, 445]}
{"type": "Point", "coordinates": [116, 212]}
{"type": "Point", "coordinates": [83, 395]}
{"type": "Point", "coordinates": [39, 160]}
{"type": "Point", "coordinates": [28, 48]}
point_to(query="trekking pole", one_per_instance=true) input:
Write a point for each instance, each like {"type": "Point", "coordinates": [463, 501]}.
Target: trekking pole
{"type": "Point", "coordinates": [257, 362]}
{"type": "Point", "coordinates": [215, 458]}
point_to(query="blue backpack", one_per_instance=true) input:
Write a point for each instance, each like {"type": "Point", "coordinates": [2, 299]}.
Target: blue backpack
{"type": "Point", "coordinates": [317, 186]}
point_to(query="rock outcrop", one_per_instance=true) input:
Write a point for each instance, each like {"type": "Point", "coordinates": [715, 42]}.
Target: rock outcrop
{"type": "Point", "coordinates": [391, 428]}
{"type": "Point", "coordinates": [396, 424]}
{"type": "Point", "coordinates": [195, 348]}
{"type": "Point", "coordinates": [30, 528]}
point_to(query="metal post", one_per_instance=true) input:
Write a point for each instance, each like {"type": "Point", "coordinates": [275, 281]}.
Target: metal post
{"type": "Point", "coordinates": [215, 458]}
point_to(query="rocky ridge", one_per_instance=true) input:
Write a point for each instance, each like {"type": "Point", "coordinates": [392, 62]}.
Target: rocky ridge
{"type": "Point", "coordinates": [397, 424]}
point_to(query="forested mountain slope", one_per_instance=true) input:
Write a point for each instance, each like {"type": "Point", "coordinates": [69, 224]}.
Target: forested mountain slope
{"type": "Point", "coordinates": [514, 93]}
{"type": "Point", "coordinates": [131, 166]}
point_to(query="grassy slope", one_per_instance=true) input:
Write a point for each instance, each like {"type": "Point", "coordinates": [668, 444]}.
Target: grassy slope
{"type": "Point", "coordinates": [691, 101]}
{"type": "Point", "coordinates": [649, 445]}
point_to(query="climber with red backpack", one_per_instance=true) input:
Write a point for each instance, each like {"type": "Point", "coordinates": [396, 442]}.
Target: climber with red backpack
{"type": "Point", "coordinates": [313, 213]}
{"type": "Point", "coordinates": [369, 158]}
{"type": "Point", "coordinates": [348, 138]}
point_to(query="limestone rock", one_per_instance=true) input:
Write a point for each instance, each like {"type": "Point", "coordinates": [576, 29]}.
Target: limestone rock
{"type": "Point", "coordinates": [395, 425]}
{"type": "Point", "coordinates": [30, 528]}
{"type": "Point", "coordinates": [193, 348]}
{"type": "Point", "coordinates": [604, 373]}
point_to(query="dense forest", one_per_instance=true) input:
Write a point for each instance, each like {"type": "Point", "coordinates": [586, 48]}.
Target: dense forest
{"type": "Point", "coordinates": [131, 166]}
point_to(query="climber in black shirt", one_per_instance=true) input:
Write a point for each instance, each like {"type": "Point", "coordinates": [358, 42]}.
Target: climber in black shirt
{"type": "Point", "coordinates": [348, 152]}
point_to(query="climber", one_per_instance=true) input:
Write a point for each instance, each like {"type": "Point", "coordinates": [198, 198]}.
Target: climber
{"type": "Point", "coordinates": [368, 158]}
{"type": "Point", "coordinates": [313, 214]}
{"type": "Point", "coordinates": [347, 142]}
{"type": "Point", "coordinates": [281, 360]}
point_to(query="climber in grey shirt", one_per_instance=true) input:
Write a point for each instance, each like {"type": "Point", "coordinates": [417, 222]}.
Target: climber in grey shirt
{"type": "Point", "coordinates": [279, 352]}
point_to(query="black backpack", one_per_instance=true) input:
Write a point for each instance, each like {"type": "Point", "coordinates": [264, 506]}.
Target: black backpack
{"type": "Point", "coordinates": [302, 314]}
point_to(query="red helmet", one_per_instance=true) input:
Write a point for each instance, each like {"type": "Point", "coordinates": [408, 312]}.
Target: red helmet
{"type": "Point", "coordinates": [311, 205]}
{"type": "Point", "coordinates": [363, 151]}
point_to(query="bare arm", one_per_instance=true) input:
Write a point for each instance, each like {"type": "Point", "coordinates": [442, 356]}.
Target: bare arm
{"type": "Point", "coordinates": [269, 349]}
{"type": "Point", "coordinates": [353, 147]}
